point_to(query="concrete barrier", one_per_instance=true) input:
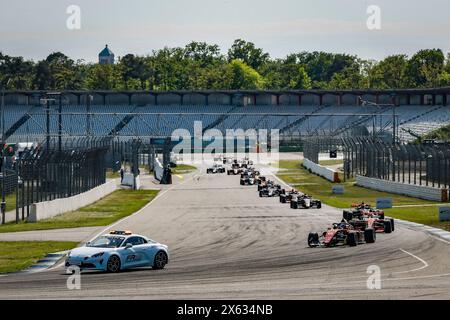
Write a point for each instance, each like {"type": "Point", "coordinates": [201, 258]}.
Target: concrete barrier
{"type": "Point", "coordinates": [49, 209]}
{"type": "Point", "coordinates": [322, 171]}
{"type": "Point", "coordinates": [421, 192]}
{"type": "Point", "coordinates": [131, 181]}
{"type": "Point", "coordinates": [158, 169]}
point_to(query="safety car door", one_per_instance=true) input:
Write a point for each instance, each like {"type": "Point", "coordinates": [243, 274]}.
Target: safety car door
{"type": "Point", "coordinates": [131, 256]}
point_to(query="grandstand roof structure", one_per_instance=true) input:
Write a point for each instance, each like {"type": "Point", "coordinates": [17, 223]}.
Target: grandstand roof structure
{"type": "Point", "coordinates": [439, 90]}
{"type": "Point", "coordinates": [431, 96]}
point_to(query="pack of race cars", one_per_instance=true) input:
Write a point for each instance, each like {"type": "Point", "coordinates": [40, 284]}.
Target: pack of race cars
{"type": "Point", "coordinates": [360, 224]}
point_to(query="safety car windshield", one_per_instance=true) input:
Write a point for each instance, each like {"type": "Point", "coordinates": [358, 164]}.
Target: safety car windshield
{"type": "Point", "coordinates": [106, 242]}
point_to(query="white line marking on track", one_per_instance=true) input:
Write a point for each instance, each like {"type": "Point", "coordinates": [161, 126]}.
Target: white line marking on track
{"type": "Point", "coordinates": [442, 240]}
{"type": "Point", "coordinates": [425, 264]}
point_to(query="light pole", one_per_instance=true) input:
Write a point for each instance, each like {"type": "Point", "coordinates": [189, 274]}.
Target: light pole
{"type": "Point", "coordinates": [394, 120]}
{"type": "Point", "coordinates": [46, 104]}
{"type": "Point", "coordinates": [394, 115]}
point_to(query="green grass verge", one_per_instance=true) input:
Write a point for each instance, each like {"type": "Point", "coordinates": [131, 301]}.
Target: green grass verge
{"type": "Point", "coordinates": [117, 205]}
{"type": "Point", "coordinates": [425, 215]}
{"type": "Point", "coordinates": [321, 188]}
{"type": "Point", "coordinates": [331, 162]}
{"type": "Point", "coordinates": [10, 201]}
{"type": "Point", "coordinates": [19, 255]}
{"type": "Point", "coordinates": [183, 168]}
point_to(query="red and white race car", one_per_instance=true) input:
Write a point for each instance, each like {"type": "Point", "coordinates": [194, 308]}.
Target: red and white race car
{"type": "Point", "coordinates": [364, 216]}
{"type": "Point", "coordinates": [342, 233]}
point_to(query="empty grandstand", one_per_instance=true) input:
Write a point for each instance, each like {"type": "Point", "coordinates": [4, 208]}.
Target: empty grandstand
{"type": "Point", "coordinates": [295, 113]}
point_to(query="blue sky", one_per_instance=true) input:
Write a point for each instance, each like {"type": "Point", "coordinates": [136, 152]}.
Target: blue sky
{"type": "Point", "coordinates": [34, 28]}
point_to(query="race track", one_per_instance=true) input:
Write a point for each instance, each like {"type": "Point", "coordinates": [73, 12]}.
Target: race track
{"type": "Point", "coordinates": [226, 242]}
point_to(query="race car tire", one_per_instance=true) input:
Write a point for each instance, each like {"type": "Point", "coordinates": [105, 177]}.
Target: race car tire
{"type": "Point", "coordinates": [313, 239]}
{"type": "Point", "coordinates": [260, 194]}
{"type": "Point", "coordinates": [319, 204]}
{"type": "Point", "coordinates": [294, 205]}
{"type": "Point", "coordinates": [113, 264]}
{"type": "Point", "coordinates": [242, 182]}
{"type": "Point", "coordinates": [228, 172]}
{"type": "Point", "coordinates": [392, 225]}
{"type": "Point", "coordinates": [347, 215]}
{"type": "Point", "coordinates": [369, 235]}
{"type": "Point", "coordinates": [259, 187]}
{"type": "Point", "coordinates": [282, 198]}
{"type": "Point", "coordinates": [352, 241]}
{"type": "Point", "coordinates": [160, 260]}
{"type": "Point", "coordinates": [282, 191]}
{"type": "Point", "coordinates": [387, 226]}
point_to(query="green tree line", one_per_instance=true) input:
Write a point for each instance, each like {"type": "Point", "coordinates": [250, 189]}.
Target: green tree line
{"type": "Point", "coordinates": [200, 66]}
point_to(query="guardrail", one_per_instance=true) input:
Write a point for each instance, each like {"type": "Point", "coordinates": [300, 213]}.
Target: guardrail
{"type": "Point", "coordinates": [416, 191]}
{"type": "Point", "coordinates": [322, 171]}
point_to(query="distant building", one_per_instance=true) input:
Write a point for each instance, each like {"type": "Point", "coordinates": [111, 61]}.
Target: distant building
{"type": "Point", "coordinates": [106, 56]}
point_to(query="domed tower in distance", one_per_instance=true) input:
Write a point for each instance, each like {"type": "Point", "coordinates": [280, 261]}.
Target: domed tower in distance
{"type": "Point", "coordinates": [106, 56]}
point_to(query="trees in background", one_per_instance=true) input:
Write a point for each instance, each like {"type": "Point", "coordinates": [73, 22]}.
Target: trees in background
{"type": "Point", "coordinates": [200, 66]}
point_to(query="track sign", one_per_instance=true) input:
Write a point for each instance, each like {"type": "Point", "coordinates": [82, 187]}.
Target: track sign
{"type": "Point", "coordinates": [333, 154]}
{"type": "Point", "coordinates": [444, 213]}
{"type": "Point", "coordinates": [338, 189]}
{"type": "Point", "coordinates": [384, 203]}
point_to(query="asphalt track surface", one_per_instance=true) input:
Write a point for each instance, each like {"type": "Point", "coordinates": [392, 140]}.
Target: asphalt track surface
{"type": "Point", "coordinates": [227, 243]}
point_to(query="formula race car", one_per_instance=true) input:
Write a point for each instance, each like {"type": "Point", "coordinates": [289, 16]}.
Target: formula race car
{"type": "Point", "coordinates": [364, 214]}
{"type": "Point", "coordinates": [119, 250]}
{"type": "Point", "coordinates": [359, 210]}
{"type": "Point", "coordinates": [234, 171]}
{"type": "Point", "coordinates": [287, 197]}
{"type": "Point", "coordinates": [272, 191]}
{"type": "Point", "coordinates": [370, 222]}
{"type": "Point", "coordinates": [264, 183]}
{"type": "Point", "coordinates": [248, 180]}
{"type": "Point", "coordinates": [217, 168]}
{"type": "Point", "coordinates": [250, 171]}
{"type": "Point", "coordinates": [239, 164]}
{"type": "Point", "coordinates": [341, 233]}
{"type": "Point", "coordinates": [260, 180]}
{"type": "Point", "coordinates": [247, 161]}
{"type": "Point", "coordinates": [304, 201]}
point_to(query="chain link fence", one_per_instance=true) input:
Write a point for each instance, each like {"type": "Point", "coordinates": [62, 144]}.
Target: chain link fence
{"type": "Point", "coordinates": [417, 164]}
{"type": "Point", "coordinates": [59, 169]}
{"type": "Point", "coordinates": [314, 146]}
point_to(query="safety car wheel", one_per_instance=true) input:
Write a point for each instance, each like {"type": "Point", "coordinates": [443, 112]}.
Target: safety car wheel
{"type": "Point", "coordinates": [160, 260]}
{"type": "Point", "coordinates": [113, 264]}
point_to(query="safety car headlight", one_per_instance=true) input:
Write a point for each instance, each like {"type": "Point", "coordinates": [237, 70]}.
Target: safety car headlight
{"type": "Point", "coordinates": [98, 255]}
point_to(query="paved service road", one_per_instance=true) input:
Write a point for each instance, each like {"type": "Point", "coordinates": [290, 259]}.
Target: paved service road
{"type": "Point", "coordinates": [226, 242]}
